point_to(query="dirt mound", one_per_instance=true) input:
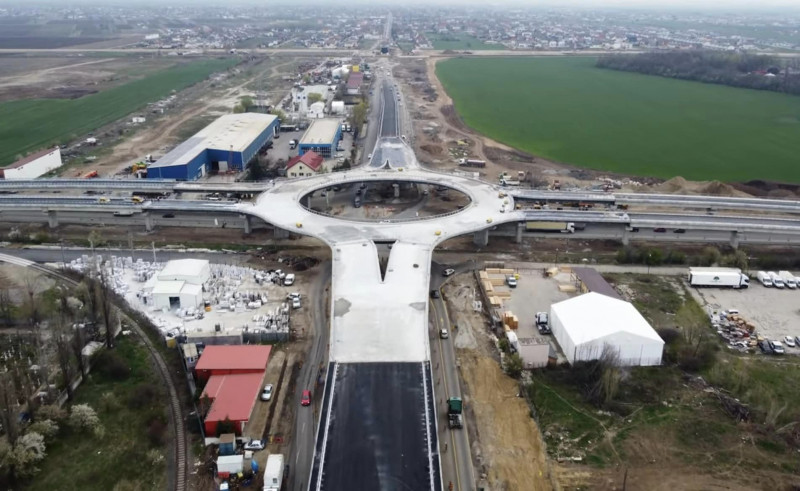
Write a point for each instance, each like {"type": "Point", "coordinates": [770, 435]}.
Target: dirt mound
{"type": "Point", "coordinates": [513, 448]}
{"type": "Point", "coordinates": [674, 185]}
{"type": "Point", "coordinates": [679, 185]}
{"type": "Point", "coordinates": [432, 149]}
{"type": "Point", "coordinates": [716, 188]}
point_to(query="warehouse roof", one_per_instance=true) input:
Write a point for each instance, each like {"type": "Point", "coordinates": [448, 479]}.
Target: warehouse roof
{"type": "Point", "coordinates": [235, 357]}
{"type": "Point", "coordinates": [168, 287]}
{"type": "Point", "coordinates": [233, 395]}
{"type": "Point", "coordinates": [30, 158]}
{"type": "Point", "coordinates": [594, 316]}
{"type": "Point", "coordinates": [233, 132]}
{"type": "Point", "coordinates": [595, 282]}
{"type": "Point", "coordinates": [321, 131]}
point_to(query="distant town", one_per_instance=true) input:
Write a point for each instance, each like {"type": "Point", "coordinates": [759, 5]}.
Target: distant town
{"type": "Point", "coordinates": [200, 28]}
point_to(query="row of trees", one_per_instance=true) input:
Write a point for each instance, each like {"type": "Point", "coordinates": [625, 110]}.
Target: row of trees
{"type": "Point", "coordinates": [654, 256]}
{"type": "Point", "coordinates": [46, 350]}
{"type": "Point", "coordinates": [734, 69]}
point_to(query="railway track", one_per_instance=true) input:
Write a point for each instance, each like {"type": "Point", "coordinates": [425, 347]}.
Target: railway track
{"type": "Point", "coordinates": [176, 411]}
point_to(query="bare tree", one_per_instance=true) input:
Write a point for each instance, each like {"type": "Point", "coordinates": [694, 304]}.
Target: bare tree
{"type": "Point", "coordinates": [9, 407]}
{"type": "Point", "coordinates": [63, 347]}
{"type": "Point", "coordinates": [77, 344]}
{"type": "Point", "coordinates": [31, 282]}
{"type": "Point", "coordinates": [6, 307]}
{"type": "Point", "coordinates": [87, 292]}
{"type": "Point", "coordinates": [607, 384]}
{"type": "Point", "coordinates": [106, 308]}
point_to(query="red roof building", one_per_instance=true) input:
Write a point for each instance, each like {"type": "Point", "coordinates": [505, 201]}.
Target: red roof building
{"type": "Point", "coordinates": [232, 359]}
{"type": "Point", "coordinates": [232, 397]}
{"type": "Point", "coordinates": [307, 164]}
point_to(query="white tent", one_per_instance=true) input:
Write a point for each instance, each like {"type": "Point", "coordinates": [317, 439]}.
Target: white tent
{"type": "Point", "coordinates": [584, 325]}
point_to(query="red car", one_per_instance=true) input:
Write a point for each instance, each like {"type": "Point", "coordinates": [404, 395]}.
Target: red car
{"type": "Point", "coordinates": [306, 399]}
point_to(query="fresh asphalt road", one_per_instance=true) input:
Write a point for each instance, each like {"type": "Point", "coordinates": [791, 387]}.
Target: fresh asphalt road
{"type": "Point", "coordinates": [456, 459]}
{"type": "Point", "coordinates": [302, 448]}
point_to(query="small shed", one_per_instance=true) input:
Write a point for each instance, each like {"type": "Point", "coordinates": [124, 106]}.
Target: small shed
{"type": "Point", "coordinates": [227, 444]}
{"type": "Point", "coordinates": [230, 464]}
{"type": "Point", "coordinates": [534, 351]}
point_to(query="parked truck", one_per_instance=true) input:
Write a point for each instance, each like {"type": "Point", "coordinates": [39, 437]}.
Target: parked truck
{"type": "Point", "coordinates": [273, 472]}
{"type": "Point", "coordinates": [777, 281]}
{"type": "Point", "coordinates": [472, 163]}
{"type": "Point", "coordinates": [788, 279]}
{"type": "Point", "coordinates": [721, 277]}
{"type": "Point", "coordinates": [563, 227]}
{"type": "Point", "coordinates": [764, 278]}
{"type": "Point", "coordinates": [454, 412]}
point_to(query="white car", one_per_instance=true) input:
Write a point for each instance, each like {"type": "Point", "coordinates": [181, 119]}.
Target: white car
{"type": "Point", "coordinates": [296, 303]}
{"type": "Point", "coordinates": [288, 280]}
{"type": "Point", "coordinates": [511, 281]}
{"type": "Point", "coordinates": [444, 334]}
{"type": "Point", "coordinates": [448, 272]}
{"type": "Point", "coordinates": [266, 394]}
{"type": "Point", "coordinates": [254, 445]}
{"type": "Point", "coordinates": [789, 341]}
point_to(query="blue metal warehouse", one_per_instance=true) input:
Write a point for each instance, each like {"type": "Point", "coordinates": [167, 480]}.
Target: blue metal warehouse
{"type": "Point", "coordinates": [322, 136]}
{"type": "Point", "coordinates": [229, 143]}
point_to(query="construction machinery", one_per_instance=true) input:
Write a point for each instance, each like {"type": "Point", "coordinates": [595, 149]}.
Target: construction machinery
{"type": "Point", "coordinates": [455, 408]}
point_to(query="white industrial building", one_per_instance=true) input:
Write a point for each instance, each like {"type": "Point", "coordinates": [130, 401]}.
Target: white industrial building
{"type": "Point", "coordinates": [316, 110]}
{"type": "Point", "coordinates": [179, 284]}
{"type": "Point", "coordinates": [34, 165]}
{"type": "Point", "coordinates": [337, 107]}
{"type": "Point", "coordinates": [584, 325]}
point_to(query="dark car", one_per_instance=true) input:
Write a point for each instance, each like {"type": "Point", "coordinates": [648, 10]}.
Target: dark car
{"type": "Point", "coordinates": [765, 347]}
{"type": "Point", "coordinates": [434, 293]}
{"type": "Point", "coordinates": [659, 230]}
{"type": "Point", "coordinates": [169, 215]}
{"type": "Point", "coordinates": [679, 231]}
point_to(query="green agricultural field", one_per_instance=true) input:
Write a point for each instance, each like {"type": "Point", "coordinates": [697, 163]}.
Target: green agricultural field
{"type": "Point", "coordinates": [31, 124]}
{"type": "Point", "coordinates": [567, 110]}
{"type": "Point", "coordinates": [459, 41]}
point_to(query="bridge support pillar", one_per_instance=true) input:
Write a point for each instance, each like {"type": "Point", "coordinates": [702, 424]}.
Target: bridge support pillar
{"type": "Point", "coordinates": [481, 238]}
{"type": "Point", "coordinates": [280, 233]}
{"type": "Point", "coordinates": [148, 222]}
{"type": "Point", "coordinates": [248, 226]}
{"type": "Point", "coordinates": [52, 218]}
{"type": "Point", "coordinates": [626, 237]}
{"type": "Point", "coordinates": [735, 239]}
{"type": "Point", "coordinates": [520, 229]}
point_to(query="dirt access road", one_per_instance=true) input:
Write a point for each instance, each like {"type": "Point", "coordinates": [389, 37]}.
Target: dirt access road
{"type": "Point", "coordinates": [507, 446]}
{"type": "Point", "coordinates": [160, 137]}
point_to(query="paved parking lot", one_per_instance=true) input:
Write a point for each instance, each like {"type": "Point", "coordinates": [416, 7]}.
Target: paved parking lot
{"type": "Point", "coordinates": [774, 312]}
{"type": "Point", "coordinates": [280, 146]}
{"type": "Point", "coordinates": [534, 293]}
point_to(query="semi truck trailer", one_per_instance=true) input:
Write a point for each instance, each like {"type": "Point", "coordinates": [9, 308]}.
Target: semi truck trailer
{"type": "Point", "coordinates": [563, 227]}
{"type": "Point", "coordinates": [273, 472]}
{"type": "Point", "coordinates": [719, 277]}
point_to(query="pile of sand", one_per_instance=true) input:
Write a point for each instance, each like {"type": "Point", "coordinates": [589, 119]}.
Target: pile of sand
{"type": "Point", "coordinates": [679, 185]}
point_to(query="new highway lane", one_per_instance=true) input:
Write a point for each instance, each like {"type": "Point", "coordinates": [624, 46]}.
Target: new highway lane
{"type": "Point", "coordinates": [456, 457]}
